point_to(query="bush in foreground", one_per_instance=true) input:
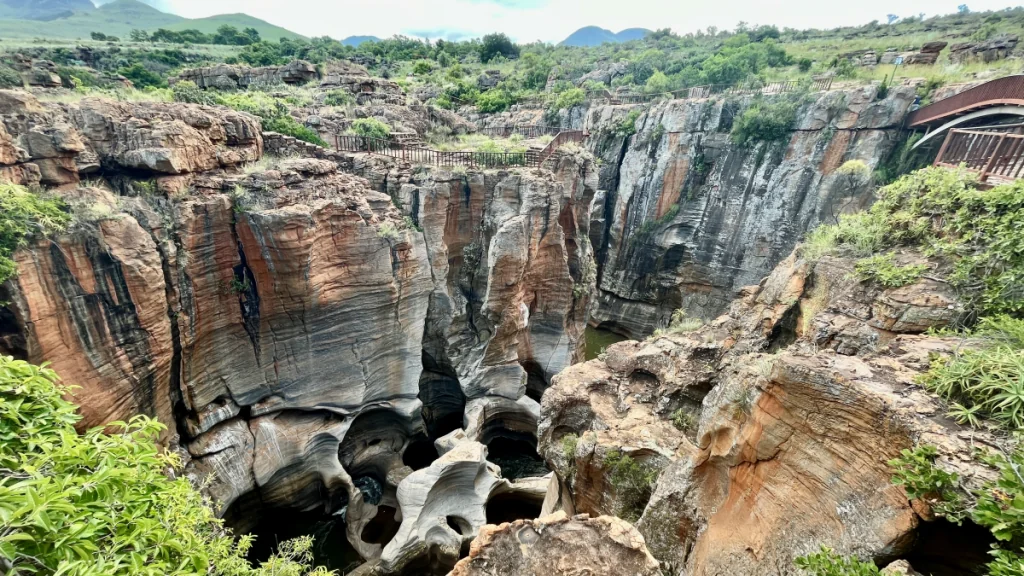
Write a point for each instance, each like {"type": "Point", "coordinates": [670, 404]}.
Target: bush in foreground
{"type": "Point", "coordinates": [103, 504]}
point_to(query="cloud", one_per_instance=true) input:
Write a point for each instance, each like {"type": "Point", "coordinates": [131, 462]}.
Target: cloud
{"type": "Point", "coordinates": [553, 20]}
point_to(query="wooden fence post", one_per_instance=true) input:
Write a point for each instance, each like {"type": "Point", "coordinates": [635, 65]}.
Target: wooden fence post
{"type": "Point", "coordinates": [942, 150]}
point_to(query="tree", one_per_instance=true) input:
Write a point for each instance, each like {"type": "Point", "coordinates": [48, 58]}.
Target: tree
{"type": "Point", "coordinates": [962, 9]}
{"type": "Point", "coordinates": [495, 45]}
{"type": "Point", "coordinates": [252, 34]}
{"type": "Point", "coordinates": [891, 18]}
{"type": "Point", "coordinates": [139, 35]}
{"type": "Point", "coordinates": [103, 504]}
{"type": "Point", "coordinates": [657, 83]}
{"type": "Point", "coordinates": [99, 36]}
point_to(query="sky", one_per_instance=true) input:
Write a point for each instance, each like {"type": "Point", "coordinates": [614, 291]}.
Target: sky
{"type": "Point", "coordinates": [553, 20]}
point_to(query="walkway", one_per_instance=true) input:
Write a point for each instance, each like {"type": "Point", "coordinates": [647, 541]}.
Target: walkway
{"type": "Point", "coordinates": [470, 159]}
{"type": "Point", "coordinates": [1002, 97]}
{"type": "Point", "coordinates": [997, 156]}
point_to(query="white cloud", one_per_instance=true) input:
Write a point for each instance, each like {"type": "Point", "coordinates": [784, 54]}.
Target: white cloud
{"type": "Point", "coordinates": [553, 20]}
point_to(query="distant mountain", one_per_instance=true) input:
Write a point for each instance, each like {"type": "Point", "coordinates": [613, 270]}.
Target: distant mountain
{"type": "Point", "coordinates": [42, 9]}
{"type": "Point", "coordinates": [118, 18]}
{"type": "Point", "coordinates": [357, 40]}
{"type": "Point", "coordinates": [594, 36]}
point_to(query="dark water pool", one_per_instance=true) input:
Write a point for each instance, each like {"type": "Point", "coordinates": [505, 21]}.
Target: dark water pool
{"type": "Point", "coordinates": [597, 340]}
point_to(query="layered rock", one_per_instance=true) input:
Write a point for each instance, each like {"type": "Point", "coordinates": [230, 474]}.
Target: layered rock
{"type": "Point", "coordinates": [772, 455]}
{"type": "Point", "coordinates": [987, 51]}
{"type": "Point", "coordinates": [235, 77]}
{"type": "Point", "coordinates": [689, 216]}
{"type": "Point", "coordinates": [56, 144]}
{"type": "Point", "coordinates": [561, 546]}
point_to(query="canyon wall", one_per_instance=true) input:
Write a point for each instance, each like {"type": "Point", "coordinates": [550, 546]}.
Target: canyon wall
{"type": "Point", "coordinates": [305, 333]}
{"type": "Point", "coordinates": [684, 216]}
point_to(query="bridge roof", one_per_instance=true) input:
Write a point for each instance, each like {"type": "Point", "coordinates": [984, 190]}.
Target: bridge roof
{"type": "Point", "coordinates": [1004, 91]}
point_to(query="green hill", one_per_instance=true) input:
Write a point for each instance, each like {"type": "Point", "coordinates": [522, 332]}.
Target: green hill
{"type": "Point", "coordinates": [241, 21]}
{"type": "Point", "coordinates": [120, 17]}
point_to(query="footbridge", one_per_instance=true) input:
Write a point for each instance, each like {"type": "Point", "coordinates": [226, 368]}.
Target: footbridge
{"type": "Point", "coordinates": [995, 100]}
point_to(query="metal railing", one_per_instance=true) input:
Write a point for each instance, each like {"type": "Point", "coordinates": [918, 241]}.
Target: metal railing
{"type": "Point", "coordinates": [469, 159]}
{"type": "Point", "coordinates": [993, 155]}
{"type": "Point", "coordinates": [1001, 91]}
{"type": "Point", "coordinates": [526, 131]}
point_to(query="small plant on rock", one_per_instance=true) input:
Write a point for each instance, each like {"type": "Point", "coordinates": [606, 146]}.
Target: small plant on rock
{"type": "Point", "coordinates": [916, 471]}
{"type": "Point", "coordinates": [882, 268]}
{"type": "Point", "coordinates": [828, 563]}
{"type": "Point", "coordinates": [633, 483]}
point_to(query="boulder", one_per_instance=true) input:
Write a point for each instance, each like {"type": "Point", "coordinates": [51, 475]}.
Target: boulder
{"type": "Point", "coordinates": [933, 47]}
{"type": "Point", "coordinates": [923, 58]}
{"type": "Point", "coordinates": [988, 51]}
{"type": "Point", "coordinates": [559, 545]}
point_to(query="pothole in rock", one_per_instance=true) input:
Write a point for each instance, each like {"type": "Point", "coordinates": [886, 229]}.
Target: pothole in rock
{"type": "Point", "coordinates": [509, 507]}
{"type": "Point", "coordinates": [945, 549]}
{"type": "Point", "coordinates": [517, 456]}
{"type": "Point", "coordinates": [331, 548]}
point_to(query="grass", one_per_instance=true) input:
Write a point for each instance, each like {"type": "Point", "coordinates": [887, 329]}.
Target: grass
{"type": "Point", "coordinates": [680, 324]}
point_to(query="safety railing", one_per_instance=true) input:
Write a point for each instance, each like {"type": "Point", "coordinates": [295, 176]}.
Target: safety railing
{"type": "Point", "coordinates": [526, 131]}
{"type": "Point", "coordinates": [469, 159]}
{"type": "Point", "coordinates": [995, 156]}
{"type": "Point", "coordinates": [1001, 91]}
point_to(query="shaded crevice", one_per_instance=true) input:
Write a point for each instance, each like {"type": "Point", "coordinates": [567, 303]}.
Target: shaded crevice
{"type": "Point", "coordinates": [243, 284]}
{"type": "Point", "coordinates": [942, 548]}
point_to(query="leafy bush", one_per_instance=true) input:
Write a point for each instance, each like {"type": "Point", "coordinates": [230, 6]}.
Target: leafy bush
{"type": "Point", "coordinates": [371, 128]}
{"type": "Point", "coordinates": [627, 126]}
{"type": "Point", "coordinates": [102, 504]}
{"type": "Point", "coordinates": [22, 216]}
{"type": "Point", "coordinates": [804, 64]}
{"type": "Point", "coordinates": [290, 127]}
{"type": "Point", "coordinates": [916, 472]}
{"type": "Point", "coordinates": [338, 98]}
{"type": "Point", "coordinates": [882, 268]}
{"type": "Point", "coordinates": [764, 121]}
{"type": "Point", "coordinates": [1000, 503]}
{"type": "Point", "coordinates": [657, 83]}
{"type": "Point", "coordinates": [987, 380]}
{"type": "Point", "coordinates": [569, 98]}
{"type": "Point", "coordinates": [188, 92]}
{"type": "Point", "coordinates": [492, 101]}
{"type": "Point", "coordinates": [422, 67]}
{"type": "Point", "coordinates": [683, 420]}
{"type": "Point", "coordinates": [633, 483]}
{"type": "Point", "coordinates": [941, 212]}
{"type": "Point", "coordinates": [141, 77]}
{"type": "Point", "coordinates": [9, 78]}
{"type": "Point", "coordinates": [828, 563]}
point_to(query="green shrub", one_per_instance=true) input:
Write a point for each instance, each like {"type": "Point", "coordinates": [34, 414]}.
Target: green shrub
{"type": "Point", "coordinates": [422, 67]}
{"type": "Point", "coordinates": [338, 98]}
{"type": "Point", "coordinates": [492, 101]}
{"type": "Point", "coordinates": [9, 78]}
{"type": "Point", "coordinates": [764, 121]}
{"type": "Point", "coordinates": [188, 92]}
{"type": "Point", "coordinates": [141, 77]}
{"type": "Point", "coordinates": [103, 504]}
{"type": "Point", "coordinates": [569, 98]}
{"type": "Point", "coordinates": [987, 380]}
{"type": "Point", "coordinates": [828, 563]}
{"type": "Point", "coordinates": [916, 472]}
{"type": "Point", "coordinates": [882, 268]}
{"type": "Point", "coordinates": [1000, 503]}
{"type": "Point", "coordinates": [633, 483]}
{"type": "Point", "coordinates": [941, 212]}
{"type": "Point", "coordinates": [627, 126]}
{"type": "Point", "coordinates": [24, 215]}
{"type": "Point", "coordinates": [371, 128]}
{"type": "Point", "coordinates": [290, 127]}
{"type": "Point", "coordinates": [657, 83]}
{"type": "Point", "coordinates": [683, 420]}
{"type": "Point", "coordinates": [804, 64]}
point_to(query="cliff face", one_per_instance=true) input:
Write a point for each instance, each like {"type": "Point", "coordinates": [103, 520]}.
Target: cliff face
{"type": "Point", "coordinates": [304, 335]}
{"type": "Point", "coordinates": [741, 209]}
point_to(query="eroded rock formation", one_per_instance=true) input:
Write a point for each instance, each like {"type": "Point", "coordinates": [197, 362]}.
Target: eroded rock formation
{"type": "Point", "coordinates": [769, 455]}
{"type": "Point", "coordinates": [560, 546]}
{"type": "Point", "coordinates": [685, 217]}
{"type": "Point", "coordinates": [305, 333]}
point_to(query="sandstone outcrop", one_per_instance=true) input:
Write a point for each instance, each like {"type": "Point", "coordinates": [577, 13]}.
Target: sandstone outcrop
{"type": "Point", "coordinates": [770, 462]}
{"type": "Point", "coordinates": [987, 51]}
{"type": "Point", "coordinates": [56, 144]}
{"type": "Point", "coordinates": [235, 77]}
{"type": "Point", "coordinates": [689, 217]}
{"type": "Point", "coordinates": [560, 546]}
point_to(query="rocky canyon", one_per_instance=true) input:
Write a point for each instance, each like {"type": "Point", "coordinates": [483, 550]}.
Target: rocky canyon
{"type": "Point", "coordinates": [398, 352]}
